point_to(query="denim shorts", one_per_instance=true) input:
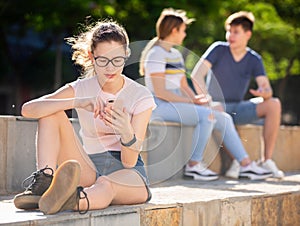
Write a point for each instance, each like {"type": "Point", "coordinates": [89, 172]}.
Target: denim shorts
{"type": "Point", "coordinates": [243, 112]}
{"type": "Point", "coordinates": [110, 161]}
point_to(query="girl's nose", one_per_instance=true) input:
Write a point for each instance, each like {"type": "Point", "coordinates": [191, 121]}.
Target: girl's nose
{"type": "Point", "coordinates": [110, 66]}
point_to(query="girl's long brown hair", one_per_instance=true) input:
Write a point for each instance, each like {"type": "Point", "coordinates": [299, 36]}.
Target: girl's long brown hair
{"type": "Point", "coordinates": [168, 20]}
{"type": "Point", "coordinates": [101, 31]}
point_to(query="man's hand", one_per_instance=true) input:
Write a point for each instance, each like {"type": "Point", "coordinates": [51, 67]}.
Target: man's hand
{"type": "Point", "coordinates": [263, 92]}
{"type": "Point", "coordinates": [264, 89]}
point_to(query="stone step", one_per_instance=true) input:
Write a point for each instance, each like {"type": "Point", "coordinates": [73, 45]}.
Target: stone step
{"type": "Point", "coordinates": [165, 153]}
{"type": "Point", "coordinates": [176, 201]}
{"type": "Point", "coordinates": [168, 146]}
{"type": "Point", "coordinates": [186, 203]}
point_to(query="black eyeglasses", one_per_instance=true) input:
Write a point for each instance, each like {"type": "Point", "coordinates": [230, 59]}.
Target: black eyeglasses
{"type": "Point", "coordinates": [116, 61]}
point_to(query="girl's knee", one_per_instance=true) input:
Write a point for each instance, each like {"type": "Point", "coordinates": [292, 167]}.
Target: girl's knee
{"type": "Point", "coordinates": [211, 117]}
{"type": "Point", "coordinates": [104, 181]}
{"type": "Point", "coordinates": [227, 117]}
{"type": "Point", "coordinates": [54, 118]}
{"type": "Point", "coordinates": [207, 116]}
{"type": "Point", "coordinates": [223, 117]}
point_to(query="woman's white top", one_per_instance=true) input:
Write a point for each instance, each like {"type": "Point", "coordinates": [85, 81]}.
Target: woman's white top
{"type": "Point", "coordinates": [171, 63]}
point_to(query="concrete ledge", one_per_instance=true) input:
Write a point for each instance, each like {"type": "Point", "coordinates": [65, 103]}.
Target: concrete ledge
{"type": "Point", "coordinates": [17, 151]}
{"type": "Point", "coordinates": [176, 201]}
{"type": "Point", "coordinates": [167, 149]}
{"type": "Point", "coordinates": [286, 152]}
{"type": "Point", "coordinates": [186, 203]}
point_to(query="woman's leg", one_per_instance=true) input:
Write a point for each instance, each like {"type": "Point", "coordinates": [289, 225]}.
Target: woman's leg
{"type": "Point", "coordinates": [121, 187]}
{"type": "Point", "coordinates": [224, 124]}
{"type": "Point", "coordinates": [191, 115]}
{"type": "Point", "coordinates": [202, 134]}
{"type": "Point", "coordinates": [58, 142]}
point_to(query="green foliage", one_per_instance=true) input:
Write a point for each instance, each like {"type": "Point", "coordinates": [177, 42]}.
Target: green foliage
{"type": "Point", "coordinates": [276, 68]}
{"type": "Point", "coordinates": [270, 31]}
{"type": "Point", "coordinates": [275, 37]}
{"type": "Point", "coordinates": [295, 68]}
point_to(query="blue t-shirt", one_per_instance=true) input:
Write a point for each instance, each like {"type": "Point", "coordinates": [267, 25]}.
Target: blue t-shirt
{"type": "Point", "coordinates": [233, 77]}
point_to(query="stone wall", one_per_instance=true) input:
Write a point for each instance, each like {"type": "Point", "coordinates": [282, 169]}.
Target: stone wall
{"type": "Point", "coordinates": [167, 148]}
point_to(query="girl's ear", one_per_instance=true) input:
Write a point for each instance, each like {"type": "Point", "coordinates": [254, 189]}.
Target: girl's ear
{"type": "Point", "coordinates": [91, 56]}
{"type": "Point", "coordinates": [128, 52]}
{"type": "Point", "coordinates": [174, 30]}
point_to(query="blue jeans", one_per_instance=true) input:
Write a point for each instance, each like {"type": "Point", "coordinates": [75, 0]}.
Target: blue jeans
{"type": "Point", "coordinates": [198, 116]}
{"type": "Point", "coordinates": [190, 115]}
{"type": "Point", "coordinates": [110, 161]}
{"type": "Point", "coordinates": [231, 138]}
{"type": "Point", "coordinates": [244, 112]}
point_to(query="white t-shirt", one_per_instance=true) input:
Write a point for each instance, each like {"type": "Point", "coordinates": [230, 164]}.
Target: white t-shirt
{"type": "Point", "coordinates": [96, 136]}
{"type": "Point", "coordinates": [171, 63]}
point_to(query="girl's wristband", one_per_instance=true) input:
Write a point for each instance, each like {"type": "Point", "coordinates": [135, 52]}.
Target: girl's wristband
{"type": "Point", "coordinates": [128, 144]}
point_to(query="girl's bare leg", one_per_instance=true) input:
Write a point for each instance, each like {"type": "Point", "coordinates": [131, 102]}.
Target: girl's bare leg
{"type": "Point", "coordinates": [121, 187]}
{"type": "Point", "coordinates": [58, 142]}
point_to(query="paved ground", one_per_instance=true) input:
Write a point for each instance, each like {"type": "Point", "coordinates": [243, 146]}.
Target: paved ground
{"type": "Point", "coordinates": [184, 191]}
{"type": "Point", "coordinates": [178, 191]}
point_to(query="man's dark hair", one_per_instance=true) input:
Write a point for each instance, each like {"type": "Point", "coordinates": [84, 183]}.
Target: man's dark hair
{"type": "Point", "coordinates": [245, 19]}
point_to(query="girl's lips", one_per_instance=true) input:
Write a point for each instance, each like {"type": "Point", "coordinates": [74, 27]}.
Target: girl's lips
{"type": "Point", "coordinates": [109, 76]}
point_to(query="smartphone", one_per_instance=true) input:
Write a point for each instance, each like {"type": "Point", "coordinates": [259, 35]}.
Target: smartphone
{"type": "Point", "coordinates": [109, 102]}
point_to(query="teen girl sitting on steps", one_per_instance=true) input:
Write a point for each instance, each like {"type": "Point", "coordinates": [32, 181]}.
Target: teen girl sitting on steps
{"type": "Point", "coordinates": [107, 167]}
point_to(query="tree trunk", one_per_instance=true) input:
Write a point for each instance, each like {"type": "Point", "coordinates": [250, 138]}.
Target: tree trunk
{"type": "Point", "coordinates": [58, 63]}
{"type": "Point", "coordinates": [282, 84]}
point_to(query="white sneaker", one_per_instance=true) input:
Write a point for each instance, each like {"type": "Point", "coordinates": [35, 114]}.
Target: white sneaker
{"type": "Point", "coordinates": [271, 166]}
{"type": "Point", "coordinates": [254, 172]}
{"type": "Point", "coordinates": [200, 172]}
{"type": "Point", "coordinates": [233, 170]}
